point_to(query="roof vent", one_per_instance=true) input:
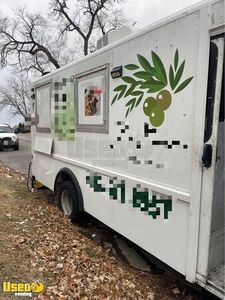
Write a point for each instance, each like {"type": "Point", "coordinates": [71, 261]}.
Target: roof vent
{"type": "Point", "coordinates": [114, 36]}
{"type": "Point", "coordinates": [102, 42]}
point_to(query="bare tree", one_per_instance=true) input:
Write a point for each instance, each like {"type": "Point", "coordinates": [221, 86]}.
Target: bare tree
{"type": "Point", "coordinates": [110, 19]}
{"type": "Point", "coordinates": [14, 95]}
{"type": "Point", "coordinates": [88, 17]}
{"type": "Point", "coordinates": [25, 39]}
{"type": "Point", "coordinates": [31, 42]}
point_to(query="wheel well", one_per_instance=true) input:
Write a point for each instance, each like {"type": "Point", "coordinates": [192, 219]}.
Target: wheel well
{"type": "Point", "coordinates": [66, 175]}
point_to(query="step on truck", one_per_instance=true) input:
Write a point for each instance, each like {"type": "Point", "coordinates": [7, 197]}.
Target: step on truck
{"type": "Point", "coordinates": [133, 134]}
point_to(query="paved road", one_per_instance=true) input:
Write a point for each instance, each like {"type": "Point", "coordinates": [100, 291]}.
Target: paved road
{"type": "Point", "coordinates": [20, 159]}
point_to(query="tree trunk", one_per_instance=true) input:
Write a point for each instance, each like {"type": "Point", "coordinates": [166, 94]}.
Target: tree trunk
{"type": "Point", "coordinates": [86, 47]}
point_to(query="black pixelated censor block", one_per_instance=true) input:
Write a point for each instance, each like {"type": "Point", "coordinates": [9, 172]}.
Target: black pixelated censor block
{"type": "Point", "coordinates": [64, 97]}
{"type": "Point", "coordinates": [111, 146]}
{"type": "Point", "coordinates": [138, 145]}
{"type": "Point", "coordinates": [131, 138]}
{"type": "Point", "coordinates": [132, 158]}
{"type": "Point", "coordinates": [159, 166]}
{"type": "Point", "coordinates": [147, 130]}
{"type": "Point", "coordinates": [56, 97]}
{"type": "Point", "coordinates": [119, 123]}
{"type": "Point", "coordinates": [148, 162]}
{"type": "Point", "coordinates": [118, 138]}
{"type": "Point", "coordinates": [175, 142]}
{"type": "Point", "coordinates": [185, 146]}
{"type": "Point", "coordinates": [159, 142]}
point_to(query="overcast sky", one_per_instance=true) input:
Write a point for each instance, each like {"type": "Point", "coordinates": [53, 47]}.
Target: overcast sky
{"type": "Point", "coordinates": [144, 12]}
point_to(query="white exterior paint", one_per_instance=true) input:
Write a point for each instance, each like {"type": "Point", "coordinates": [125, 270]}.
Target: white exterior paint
{"type": "Point", "coordinates": [183, 240]}
{"type": "Point", "coordinates": [43, 145]}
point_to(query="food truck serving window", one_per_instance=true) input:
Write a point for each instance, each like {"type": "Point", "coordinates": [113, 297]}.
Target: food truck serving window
{"type": "Point", "coordinates": [43, 94]}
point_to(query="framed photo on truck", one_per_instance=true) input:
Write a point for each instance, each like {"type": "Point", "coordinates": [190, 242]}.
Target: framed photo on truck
{"type": "Point", "coordinates": [92, 100]}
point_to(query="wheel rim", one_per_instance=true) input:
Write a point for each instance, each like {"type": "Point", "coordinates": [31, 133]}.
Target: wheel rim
{"type": "Point", "coordinates": [66, 202]}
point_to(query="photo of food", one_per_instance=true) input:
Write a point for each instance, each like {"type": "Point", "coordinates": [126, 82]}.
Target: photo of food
{"type": "Point", "coordinates": [92, 99]}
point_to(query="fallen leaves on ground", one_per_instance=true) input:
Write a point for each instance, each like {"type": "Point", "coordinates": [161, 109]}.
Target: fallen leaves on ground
{"type": "Point", "coordinates": [38, 243]}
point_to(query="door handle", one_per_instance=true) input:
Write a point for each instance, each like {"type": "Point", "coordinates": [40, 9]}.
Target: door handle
{"type": "Point", "coordinates": [207, 156]}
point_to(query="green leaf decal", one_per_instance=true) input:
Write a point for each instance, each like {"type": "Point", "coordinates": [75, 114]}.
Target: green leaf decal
{"type": "Point", "coordinates": [132, 105]}
{"type": "Point", "coordinates": [143, 75]}
{"type": "Point", "coordinates": [153, 85]}
{"type": "Point", "coordinates": [155, 88]}
{"type": "Point", "coordinates": [122, 92]}
{"type": "Point", "coordinates": [183, 85]}
{"type": "Point", "coordinates": [179, 73]}
{"type": "Point", "coordinates": [128, 79]}
{"type": "Point", "coordinates": [176, 60]}
{"type": "Point", "coordinates": [136, 93]}
{"type": "Point", "coordinates": [146, 85]}
{"type": "Point", "coordinates": [128, 110]}
{"type": "Point", "coordinates": [151, 77]}
{"type": "Point", "coordinates": [171, 78]}
{"type": "Point", "coordinates": [130, 90]}
{"type": "Point", "coordinates": [131, 67]}
{"type": "Point", "coordinates": [145, 64]}
{"type": "Point", "coordinates": [160, 72]}
{"type": "Point", "coordinates": [138, 83]}
{"type": "Point", "coordinates": [120, 88]}
{"type": "Point", "coordinates": [114, 99]}
{"type": "Point", "coordinates": [130, 102]}
{"type": "Point", "coordinates": [139, 100]}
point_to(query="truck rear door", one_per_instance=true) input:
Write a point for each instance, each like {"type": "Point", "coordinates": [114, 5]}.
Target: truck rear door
{"type": "Point", "coordinates": [211, 238]}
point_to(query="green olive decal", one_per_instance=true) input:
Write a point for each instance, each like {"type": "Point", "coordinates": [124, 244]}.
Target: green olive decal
{"type": "Point", "coordinates": [150, 77]}
{"type": "Point", "coordinates": [156, 116]}
{"type": "Point", "coordinates": [164, 99]}
{"type": "Point", "coordinates": [148, 105]}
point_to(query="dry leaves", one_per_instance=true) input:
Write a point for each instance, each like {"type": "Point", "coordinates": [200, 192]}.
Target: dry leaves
{"type": "Point", "coordinates": [41, 244]}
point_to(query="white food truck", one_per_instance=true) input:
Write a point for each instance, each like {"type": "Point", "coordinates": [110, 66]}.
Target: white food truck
{"type": "Point", "coordinates": [133, 134]}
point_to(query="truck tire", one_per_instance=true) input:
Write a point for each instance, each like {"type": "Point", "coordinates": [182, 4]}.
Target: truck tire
{"type": "Point", "coordinates": [67, 200]}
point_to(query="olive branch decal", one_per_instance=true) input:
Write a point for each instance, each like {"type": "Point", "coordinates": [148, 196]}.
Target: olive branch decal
{"type": "Point", "coordinates": [176, 73]}
{"type": "Point", "coordinates": [151, 78]}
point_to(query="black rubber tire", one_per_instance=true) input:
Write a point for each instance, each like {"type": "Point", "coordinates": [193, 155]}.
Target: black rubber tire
{"type": "Point", "coordinates": [16, 148]}
{"type": "Point", "coordinates": [68, 186]}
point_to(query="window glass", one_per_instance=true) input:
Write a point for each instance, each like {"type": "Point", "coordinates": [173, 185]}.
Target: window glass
{"type": "Point", "coordinates": [221, 118]}
{"type": "Point", "coordinates": [43, 105]}
{"type": "Point", "coordinates": [213, 57]}
{"type": "Point", "coordinates": [5, 129]}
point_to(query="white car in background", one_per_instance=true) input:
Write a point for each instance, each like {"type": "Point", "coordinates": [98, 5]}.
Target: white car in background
{"type": "Point", "coordinates": [8, 138]}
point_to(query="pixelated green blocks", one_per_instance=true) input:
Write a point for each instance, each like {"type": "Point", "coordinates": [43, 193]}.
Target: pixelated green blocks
{"type": "Point", "coordinates": [64, 109]}
{"type": "Point", "coordinates": [140, 197]}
